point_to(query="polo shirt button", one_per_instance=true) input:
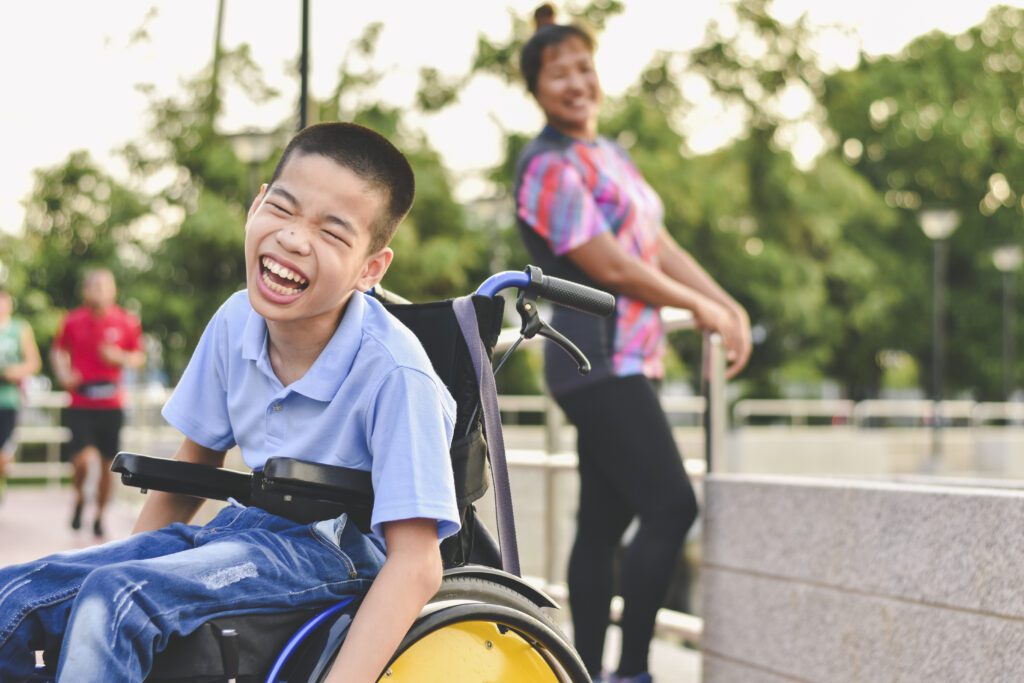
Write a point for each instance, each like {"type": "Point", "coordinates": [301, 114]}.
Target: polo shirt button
{"type": "Point", "coordinates": [277, 408]}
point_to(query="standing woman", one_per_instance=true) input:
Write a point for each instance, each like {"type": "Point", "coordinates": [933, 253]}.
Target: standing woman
{"type": "Point", "coordinates": [586, 214]}
{"type": "Point", "coordinates": [19, 358]}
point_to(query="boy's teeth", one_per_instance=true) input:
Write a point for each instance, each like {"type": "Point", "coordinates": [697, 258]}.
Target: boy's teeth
{"type": "Point", "coordinates": [278, 269]}
{"type": "Point", "coordinates": [280, 289]}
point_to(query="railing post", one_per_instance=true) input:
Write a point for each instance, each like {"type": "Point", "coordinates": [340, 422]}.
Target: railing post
{"type": "Point", "coordinates": [553, 422]}
{"type": "Point", "coordinates": [714, 395]}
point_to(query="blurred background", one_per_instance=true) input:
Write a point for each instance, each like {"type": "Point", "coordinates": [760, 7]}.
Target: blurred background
{"type": "Point", "coordinates": [797, 146]}
{"type": "Point", "coordinates": [852, 172]}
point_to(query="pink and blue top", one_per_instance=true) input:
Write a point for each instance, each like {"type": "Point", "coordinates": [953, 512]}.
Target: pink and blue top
{"type": "Point", "coordinates": [569, 191]}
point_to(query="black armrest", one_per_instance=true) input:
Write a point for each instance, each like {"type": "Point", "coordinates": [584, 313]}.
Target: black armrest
{"type": "Point", "coordinates": [174, 476]}
{"type": "Point", "coordinates": [325, 482]}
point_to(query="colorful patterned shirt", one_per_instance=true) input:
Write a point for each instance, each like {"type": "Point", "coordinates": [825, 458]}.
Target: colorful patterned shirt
{"type": "Point", "coordinates": [569, 191]}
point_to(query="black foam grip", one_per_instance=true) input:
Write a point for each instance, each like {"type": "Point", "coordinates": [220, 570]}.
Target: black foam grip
{"type": "Point", "coordinates": [576, 296]}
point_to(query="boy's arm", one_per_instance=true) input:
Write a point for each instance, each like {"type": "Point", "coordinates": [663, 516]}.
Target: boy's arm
{"type": "Point", "coordinates": [162, 508]}
{"type": "Point", "coordinates": [410, 576]}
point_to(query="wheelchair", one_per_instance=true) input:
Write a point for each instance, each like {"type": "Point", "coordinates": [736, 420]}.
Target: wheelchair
{"type": "Point", "coordinates": [485, 624]}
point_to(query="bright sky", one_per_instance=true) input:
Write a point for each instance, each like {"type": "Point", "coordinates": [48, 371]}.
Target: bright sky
{"type": "Point", "coordinates": [70, 69]}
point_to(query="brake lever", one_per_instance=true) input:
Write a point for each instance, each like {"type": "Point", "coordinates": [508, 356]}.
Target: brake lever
{"type": "Point", "coordinates": [533, 324]}
{"type": "Point", "coordinates": [548, 332]}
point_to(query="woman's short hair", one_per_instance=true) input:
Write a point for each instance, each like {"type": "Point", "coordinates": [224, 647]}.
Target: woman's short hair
{"type": "Point", "coordinates": [548, 33]}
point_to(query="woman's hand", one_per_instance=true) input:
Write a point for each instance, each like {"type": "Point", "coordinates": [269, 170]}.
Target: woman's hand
{"type": "Point", "coordinates": [745, 346]}
{"type": "Point", "coordinates": [734, 327]}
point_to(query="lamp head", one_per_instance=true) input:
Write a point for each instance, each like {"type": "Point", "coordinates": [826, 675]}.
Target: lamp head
{"type": "Point", "coordinates": [1008, 258]}
{"type": "Point", "coordinates": [939, 224]}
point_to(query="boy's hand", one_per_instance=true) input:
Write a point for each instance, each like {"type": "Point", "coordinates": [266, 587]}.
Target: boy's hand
{"type": "Point", "coordinates": [162, 508]}
{"type": "Point", "coordinates": [410, 577]}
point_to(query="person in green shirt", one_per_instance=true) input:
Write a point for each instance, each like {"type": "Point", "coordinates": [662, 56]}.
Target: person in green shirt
{"type": "Point", "coordinates": [19, 358]}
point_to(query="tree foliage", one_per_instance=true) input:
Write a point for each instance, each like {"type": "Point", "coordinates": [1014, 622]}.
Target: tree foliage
{"type": "Point", "coordinates": [827, 257]}
{"type": "Point", "coordinates": [941, 125]}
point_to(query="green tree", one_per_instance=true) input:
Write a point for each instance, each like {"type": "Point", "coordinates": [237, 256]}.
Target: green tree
{"type": "Point", "coordinates": [939, 124]}
{"type": "Point", "coordinates": [78, 217]}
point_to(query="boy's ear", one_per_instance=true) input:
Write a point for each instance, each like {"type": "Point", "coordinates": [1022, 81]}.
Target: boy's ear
{"type": "Point", "coordinates": [375, 268]}
{"type": "Point", "coordinates": [257, 200]}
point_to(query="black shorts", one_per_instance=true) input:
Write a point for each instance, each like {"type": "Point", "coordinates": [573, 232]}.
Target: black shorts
{"type": "Point", "coordinates": [7, 418]}
{"type": "Point", "coordinates": [89, 427]}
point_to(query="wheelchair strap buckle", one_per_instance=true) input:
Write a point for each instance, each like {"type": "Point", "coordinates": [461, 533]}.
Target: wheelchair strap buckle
{"type": "Point", "coordinates": [228, 638]}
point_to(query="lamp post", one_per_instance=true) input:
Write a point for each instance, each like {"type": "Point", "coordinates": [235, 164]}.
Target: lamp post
{"type": "Point", "coordinates": [252, 147]}
{"type": "Point", "coordinates": [304, 67]}
{"type": "Point", "coordinates": [938, 225]}
{"type": "Point", "coordinates": [1008, 260]}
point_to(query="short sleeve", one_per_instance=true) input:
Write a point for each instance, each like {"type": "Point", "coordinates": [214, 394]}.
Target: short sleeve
{"type": "Point", "coordinates": [410, 432]}
{"type": "Point", "coordinates": [198, 408]}
{"type": "Point", "coordinates": [554, 200]}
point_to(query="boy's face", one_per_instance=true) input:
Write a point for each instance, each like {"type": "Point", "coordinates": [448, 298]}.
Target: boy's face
{"type": "Point", "coordinates": [307, 240]}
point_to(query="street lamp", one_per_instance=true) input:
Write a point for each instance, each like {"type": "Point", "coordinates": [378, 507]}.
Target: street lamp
{"type": "Point", "coordinates": [938, 225]}
{"type": "Point", "coordinates": [1008, 260]}
{"type": "Point", "coordinates": [253, 147]}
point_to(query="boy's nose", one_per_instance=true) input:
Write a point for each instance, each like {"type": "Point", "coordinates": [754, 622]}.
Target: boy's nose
{"type": "Point", "coordinates": [292, 240]}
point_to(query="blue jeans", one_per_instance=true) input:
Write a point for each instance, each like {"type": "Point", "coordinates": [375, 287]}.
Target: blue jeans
{"type": "Point", "coordinates": [116, 605]}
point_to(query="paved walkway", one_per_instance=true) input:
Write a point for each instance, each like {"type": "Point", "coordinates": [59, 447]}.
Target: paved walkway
{"type": "Point", "coordinates": [34, 523]}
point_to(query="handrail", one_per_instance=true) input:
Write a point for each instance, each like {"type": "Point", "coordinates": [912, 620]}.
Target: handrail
{"type": "Point", "coordinates": [798, 410]}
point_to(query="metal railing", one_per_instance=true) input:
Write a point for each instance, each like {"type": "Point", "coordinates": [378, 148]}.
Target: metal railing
{"type": "Point", "coordinates": [875, 413]}
{"type": "Point", "coordinates": [39, 425]}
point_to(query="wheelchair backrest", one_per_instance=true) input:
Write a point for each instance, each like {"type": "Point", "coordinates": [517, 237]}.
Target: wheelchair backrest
{"type": "Point", "coordinates": [438, 330]}
{"type": "Point", "coordinates": [434, 324]}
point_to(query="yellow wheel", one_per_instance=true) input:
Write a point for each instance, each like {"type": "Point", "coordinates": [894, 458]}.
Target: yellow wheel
{"type": "Point", "coordinates": [479, 631]}
{"type": "Point", "coordinates": [471, 651]}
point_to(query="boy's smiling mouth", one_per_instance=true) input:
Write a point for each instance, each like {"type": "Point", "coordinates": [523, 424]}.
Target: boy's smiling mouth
{"type": "Point", "coordinates": [281, 279]}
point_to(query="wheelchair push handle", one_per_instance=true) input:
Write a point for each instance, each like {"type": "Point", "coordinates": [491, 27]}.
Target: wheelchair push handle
{"type": "Point", "coordinates": [570, 294]}
{"type": "Point", "coordinates": [533, 282]}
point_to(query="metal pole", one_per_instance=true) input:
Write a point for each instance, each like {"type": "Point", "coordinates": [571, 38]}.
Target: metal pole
{"type": "Point", "coordinates": [217, 52]}
{"type": "Point", "coordinates": [714, 400]}
{"type": "Point", "coordinates": [304, 67]}
{"type": "Point", "coordinates": [1008, 325]}
{"type": "Point", "coordinates": [553, 421]}
{"type": "Point", "coordinates": [938, 349]}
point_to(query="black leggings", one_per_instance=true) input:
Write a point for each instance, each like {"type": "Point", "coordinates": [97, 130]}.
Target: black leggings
{"type": "Point", "coordinates": [629, 466]}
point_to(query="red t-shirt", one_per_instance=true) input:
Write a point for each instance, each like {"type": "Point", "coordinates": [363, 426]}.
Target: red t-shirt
{"type": "Point", "coordinates": [80, 336]}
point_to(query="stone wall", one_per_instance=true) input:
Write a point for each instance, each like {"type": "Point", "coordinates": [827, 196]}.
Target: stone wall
{"type": "Point", "coordinates": [835, 581]}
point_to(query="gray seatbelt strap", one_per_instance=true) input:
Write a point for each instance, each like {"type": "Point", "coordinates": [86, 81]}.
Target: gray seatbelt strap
{"type": "Point", "coordinates": [465, 313]}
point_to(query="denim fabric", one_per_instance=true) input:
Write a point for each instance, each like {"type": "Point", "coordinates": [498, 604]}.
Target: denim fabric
{"type": "Point", "coordinates": [115, 606]}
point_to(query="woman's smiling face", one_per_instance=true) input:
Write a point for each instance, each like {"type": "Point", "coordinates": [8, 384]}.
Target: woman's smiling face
{"type": "Point", "coordinates": [307, 240]}
{"type": "Point", "coordinates": [568, 89]}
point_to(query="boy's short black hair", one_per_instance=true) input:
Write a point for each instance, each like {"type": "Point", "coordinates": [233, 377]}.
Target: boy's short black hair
{"type": "Point", "coordinates": [369, 155]}
{"type": "Point", "coordinates": [548, 34]}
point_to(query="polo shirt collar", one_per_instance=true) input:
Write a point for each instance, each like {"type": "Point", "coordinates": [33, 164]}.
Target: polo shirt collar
{"type": "Point", "coordinates": [323, 379]}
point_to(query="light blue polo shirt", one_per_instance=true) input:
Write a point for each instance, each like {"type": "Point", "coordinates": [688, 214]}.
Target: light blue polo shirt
{"type": "Point", "coordinates": [370, 401]}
